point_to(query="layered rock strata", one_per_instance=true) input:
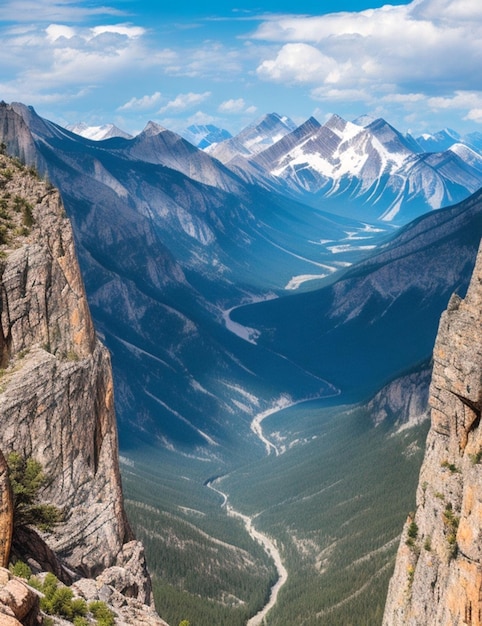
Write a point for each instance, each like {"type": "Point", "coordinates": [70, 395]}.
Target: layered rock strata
{"type": "Point", "coordinates": [438, 572]}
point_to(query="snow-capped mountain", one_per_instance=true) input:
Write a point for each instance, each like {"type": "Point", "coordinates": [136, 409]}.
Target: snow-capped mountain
{"type": "Point", "coordinates": [439, 141]}
{"type": "Point", "coordinates": [370, 170]}
{"type": "Point", "coordinates": [254, 138]}
{"type": "Point", "coordinates": [205, 135]}
{"type": "Point", "coordinates": [445, 139]}
{"type": "Point", "coordinates": [97, 133]}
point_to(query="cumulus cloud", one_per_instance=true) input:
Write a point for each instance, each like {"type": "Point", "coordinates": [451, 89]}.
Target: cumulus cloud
{"type": "Point", "coordinates": [232, 106]}
{"type": "Point", "coordinates": [469, 102]}
{"type": "Point", "coordinates": [300, 63]}
{"type": "Point", "coordinates": [69, 60]}
{"type": "Point", "coordinates": [185, 101]}
{"type": "Point", "coordinates": [142, 104]}
{"type": "Point", "coordinates": [235, 106]}
{"type": "Point", "coordinates": [425, 47]}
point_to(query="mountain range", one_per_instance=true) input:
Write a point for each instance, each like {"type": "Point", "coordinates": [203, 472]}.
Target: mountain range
{"type": "Point", "coordinates": [172, 242]}
{"type": "Point", "coordinates": [228, 291]}
{"type": "Point", "coordinates": [361, 168]}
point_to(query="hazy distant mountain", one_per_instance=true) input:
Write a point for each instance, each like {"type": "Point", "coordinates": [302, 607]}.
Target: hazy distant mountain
{"type": "Point", "coordinates": [447, 138]}
{"type": "Point", "coordinates": [204, 136]}
{"type": "Point", "coordinates": [97, 133]}
{"type": "Point", "coordinates": [254, 138]}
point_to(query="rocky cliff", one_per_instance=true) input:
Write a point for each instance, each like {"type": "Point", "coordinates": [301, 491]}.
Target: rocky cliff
{"type": "Point", "coordinates": [56, 394]}
{"type": "Point", "coordinates": [438, 572]}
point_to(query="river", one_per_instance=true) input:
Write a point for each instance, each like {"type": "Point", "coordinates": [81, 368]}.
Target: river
{"type": "Point", "coordinates": [268, 545]}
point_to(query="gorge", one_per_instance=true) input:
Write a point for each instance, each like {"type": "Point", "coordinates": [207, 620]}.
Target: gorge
{"type": "Point", "coordinates": [332, 380]}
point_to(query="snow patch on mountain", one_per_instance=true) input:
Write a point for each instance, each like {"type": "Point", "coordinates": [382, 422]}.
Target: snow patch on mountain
{"type": "Point", "coordinates": [297, 281]}
{"type": "Point", "coordinates": [97, 133]}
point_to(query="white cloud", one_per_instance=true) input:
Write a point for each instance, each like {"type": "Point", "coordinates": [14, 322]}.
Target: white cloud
{"type": "Point", "coordinates": [56, 31]}
{"type": "Point", "coordinates": [201, 118]}
{"type": "Point", "coordinates": [232, 106]}
{"type": "Point", "coordinates": [300, 63]}
{"type": "Point", "coordinates": [425, 47]}
{"type": "Point", "coordinates": [132, 32]}
{"type": "Point", "coordinates": [474, 115]}
{"type": "Point", "coordinates": [459, 100]}
{"type": "Point", "coordinates": [185, 101]}
{"type": "Point", "coordinates": [72, 60]}
{"type": "Point", "coordinates": [142, 104]}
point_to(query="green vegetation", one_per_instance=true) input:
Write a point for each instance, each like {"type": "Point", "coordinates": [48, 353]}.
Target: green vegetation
{"type": "Point", "coordinates": [20, 569]}
{"type": "Point", "coordinates": [101, 612]}
{"type": "Point", "coordinates": [412, 534]}
{"type": "Point", "coordinates": [450, 466]}
{"type": "Point", "coordinates": [336, 523]}
{"type": "Point", "coordinates": [16, 212]}
{"type": "Point", "coordinates": [476, 458]}
{"type": "Point", "coordinates": [28, 479]}
{"type": "Point", "coordinates": [60, 601]}
{"type": "Point", "coordinates": [451, 523]}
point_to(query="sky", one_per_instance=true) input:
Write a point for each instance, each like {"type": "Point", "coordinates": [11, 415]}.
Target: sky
{"type": "Point", "coordinates": [416, 63]}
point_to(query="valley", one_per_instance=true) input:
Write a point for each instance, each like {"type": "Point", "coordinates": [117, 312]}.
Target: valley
{"type": "Point", "coordinates": [252, 316]}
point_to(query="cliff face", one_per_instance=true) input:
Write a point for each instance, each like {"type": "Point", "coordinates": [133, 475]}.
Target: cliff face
{"type": "Point", "coordinates": [56, 396]}
{"type": "Point", "coordinates": [438, 572]}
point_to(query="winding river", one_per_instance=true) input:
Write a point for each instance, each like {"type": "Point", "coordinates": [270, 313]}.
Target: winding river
{"type": "Point", "coordinates": [268, 545]}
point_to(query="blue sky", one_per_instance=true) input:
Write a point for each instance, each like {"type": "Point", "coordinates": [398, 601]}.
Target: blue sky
{"type": "Point", "coordinates": [415, 63]}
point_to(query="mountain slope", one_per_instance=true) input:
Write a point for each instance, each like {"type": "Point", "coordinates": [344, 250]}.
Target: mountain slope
{"type": "Point", "coordinates": [97, 133]}
{"type": "Point", "coordinates": [394, 298]}
{"type": "Point", "coordinates": [254, 138]}
{"type": "Point", "coordinates": [165, 257]}
{"type": "Point", "coordinates": [370, 170]}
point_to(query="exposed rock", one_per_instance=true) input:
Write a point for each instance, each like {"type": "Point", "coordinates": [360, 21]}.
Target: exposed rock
{"type": "Point", "coordinates": [404, 401]}
{"type": "Point", "coordinates": [125, 587]}
{"type": "Point", "coordinates": [57, 400]}
{"type": "Point", "coordinates": [19, 603]}
{"type": "Point", "coordinates": [6, 513]}
{"type": "Point", "coordinates": [438, 572]}
{"type": "Point", "coordinates": [56, 395]}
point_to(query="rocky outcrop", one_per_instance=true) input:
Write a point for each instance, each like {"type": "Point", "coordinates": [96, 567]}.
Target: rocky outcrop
{"type": "Point", "coordinates": [57, 395]}
{"type": "Point", "coordinates": [19, 603]}
{"type": "Point", "coordinates": [438, 572]}
{"type": "Point", "coordinates": [56, 390]}
{"type": "Point", "coordinates": [404, 401]}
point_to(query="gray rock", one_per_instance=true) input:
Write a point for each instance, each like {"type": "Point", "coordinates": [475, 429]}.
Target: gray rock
{"type": "Point", "coordinates": [57, 402]}
{"type": "Point", "coordinates": [438, 571]}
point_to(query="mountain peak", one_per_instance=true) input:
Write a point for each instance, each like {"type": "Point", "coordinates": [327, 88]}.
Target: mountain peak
{"type": "Point", "coordinates": [152, 128]}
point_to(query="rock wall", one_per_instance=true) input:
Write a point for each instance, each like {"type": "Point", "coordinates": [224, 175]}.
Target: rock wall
{"type": "Point", "coordinates": [57, 394]}
{"type": "Point", "coordinates": [57, 400]}
{"type": "Point", "coordinates": [438, 571]}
